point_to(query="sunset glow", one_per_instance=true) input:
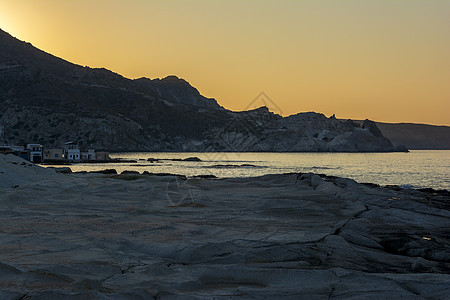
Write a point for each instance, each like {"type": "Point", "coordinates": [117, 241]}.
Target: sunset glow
{"type": "Point", "coordinates": [385, 60]}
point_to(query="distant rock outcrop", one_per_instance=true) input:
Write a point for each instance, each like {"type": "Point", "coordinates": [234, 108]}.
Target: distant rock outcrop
{"type": "Point", "coordinates": [177, 90]}
{"type": "Point", "coordinates": [417, 136]}
{"type": "Point", "coordinates": [414, 136]}
{"type": "Point", "coordinates": [47, 100]}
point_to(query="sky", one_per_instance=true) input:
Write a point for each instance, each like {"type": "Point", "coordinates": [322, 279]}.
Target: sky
{"type": "Point", "coordinates": [385, 60]}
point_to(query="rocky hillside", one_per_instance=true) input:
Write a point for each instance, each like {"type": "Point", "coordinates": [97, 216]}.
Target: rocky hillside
{"type": "Point", "coordinates": [417, 136]}
{"type": "Point", "coordinates": [48, 100]}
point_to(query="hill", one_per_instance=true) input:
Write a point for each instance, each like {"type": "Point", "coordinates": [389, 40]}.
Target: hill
{"type": "Point", "coordinates": [417, 136]}
{"type": "Point", "coordinates": [48, 100]}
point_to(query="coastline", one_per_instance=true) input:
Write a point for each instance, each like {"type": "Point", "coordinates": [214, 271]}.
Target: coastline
{"type": "Point", "coordinates": [284, 235]}
{"type": "Point", "coordinates": [418, 169]}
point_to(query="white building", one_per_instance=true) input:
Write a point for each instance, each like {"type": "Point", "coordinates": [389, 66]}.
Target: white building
{"type": "Point", "coordinates": [71, 151]}
{"type": "Point", "coordinates": [89, 155]}
{"type": "Point", "coordinates": [35, 153]}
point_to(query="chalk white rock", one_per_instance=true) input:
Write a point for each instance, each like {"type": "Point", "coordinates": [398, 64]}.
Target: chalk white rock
{"type": "Point", "coordinates": [15, 171]}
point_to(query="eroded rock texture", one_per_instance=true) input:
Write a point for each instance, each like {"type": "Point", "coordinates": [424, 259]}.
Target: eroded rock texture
{"type": "Point", "coordinates": [299, 236]}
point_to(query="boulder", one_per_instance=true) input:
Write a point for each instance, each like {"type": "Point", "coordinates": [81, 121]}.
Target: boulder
{"type": "Point", "coordinates": [209, 176]}
{"type": "Point", "coordinates": [192, 159]}
{"type": "Point", "coordinates": [107, 171]}
{"type": "Point", "coordinates": [130, 173]}
{"type": "Point", "coordinates": [63, 170]}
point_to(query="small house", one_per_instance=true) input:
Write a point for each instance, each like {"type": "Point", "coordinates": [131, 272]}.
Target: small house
{"type": "Point", "coordinates": [53, 154]}
{"type": "Point", "coordinates": [72, 152]}
{"type": "Point", "coordinates": [88, 156]}
{"type": "Point", "coordinates": [35, 153]}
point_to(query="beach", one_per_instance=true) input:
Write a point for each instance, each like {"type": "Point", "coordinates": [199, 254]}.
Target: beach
{"type": "Point", "coordinates": [298, 236]}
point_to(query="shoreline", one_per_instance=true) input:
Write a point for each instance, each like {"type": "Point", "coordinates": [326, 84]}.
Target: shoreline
{"type": "Point", "coordinates": [139, 175]}
{"type": "Point", "coordinates": [420, 169]}
{"type": "Point", "coordinates": [393, 187]}
{"type": "Point", "coordinates": [282, 235]}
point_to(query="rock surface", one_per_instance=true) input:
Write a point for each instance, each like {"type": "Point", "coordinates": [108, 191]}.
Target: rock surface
{"type": "Point", "coordinates": [298, 236]}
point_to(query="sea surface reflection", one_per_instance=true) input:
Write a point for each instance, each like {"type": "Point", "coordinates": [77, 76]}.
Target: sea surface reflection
{"type": "Point", "coordinates": [419, 168]}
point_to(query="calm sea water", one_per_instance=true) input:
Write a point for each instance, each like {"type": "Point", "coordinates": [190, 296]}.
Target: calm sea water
{"type": "Point", "coordinates": [417, 169]}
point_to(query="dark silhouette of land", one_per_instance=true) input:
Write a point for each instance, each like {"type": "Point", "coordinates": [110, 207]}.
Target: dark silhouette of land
{"type": "Point", "coordinates": [47, 100]}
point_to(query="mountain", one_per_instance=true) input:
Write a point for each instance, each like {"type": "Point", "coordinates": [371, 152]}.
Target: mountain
{"type": "Point", "coordinates": [417, 136]}
{"type": "Point", "coordinates": [48, 100]}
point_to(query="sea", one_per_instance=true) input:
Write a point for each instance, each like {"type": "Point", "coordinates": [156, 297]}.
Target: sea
{"type": "Point", "coordinates": [416, 169]}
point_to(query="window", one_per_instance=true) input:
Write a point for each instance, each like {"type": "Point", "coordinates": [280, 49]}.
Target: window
{"type": "Point", "coordinates": [56, 154]}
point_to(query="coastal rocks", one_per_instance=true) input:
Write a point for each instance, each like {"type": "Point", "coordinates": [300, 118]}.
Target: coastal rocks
{"type": "Point", "coordinates": [63, 170]}
{"type": "Point", "coordinates": [15, 172]}
{"type": "Point", "coordinates": [192, 159]}
{"type": "Point", "coordinates": [183, 177]}
{"type": "Point", "coordinates": [167, 236]}
{"type": "Point", "coordinates": [207, 176]}
{"type": "Point", "coordinates": [106, 171]}
{"type": "Point", "coordinates": [303, 132]}
{"type": "Point", "coordinates": [129, 173]}
{"type": "Point", "coordinates": [184, 159]}
{"type": "Point", "coordinates": [360, 140]}
{"type": "Point", "coordinates": [231, 166]}
{"type": "Point", "coordinates": [152, 160]}
{"type": "Point", "coordinates": [372, 127]}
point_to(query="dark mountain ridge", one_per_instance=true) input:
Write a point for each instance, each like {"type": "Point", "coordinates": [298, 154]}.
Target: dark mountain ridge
{"type": "Point", "coordinates": [48, 100]}
{"type": "Point", "coordinates": [416, 136]}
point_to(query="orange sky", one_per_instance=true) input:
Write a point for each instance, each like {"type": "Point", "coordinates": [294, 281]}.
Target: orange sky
{"type": "Point", "coordinates": [386, 60]}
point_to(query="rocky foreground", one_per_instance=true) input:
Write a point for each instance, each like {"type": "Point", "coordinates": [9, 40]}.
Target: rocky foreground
{"type": "Point", "coordinates": [299, 236]}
